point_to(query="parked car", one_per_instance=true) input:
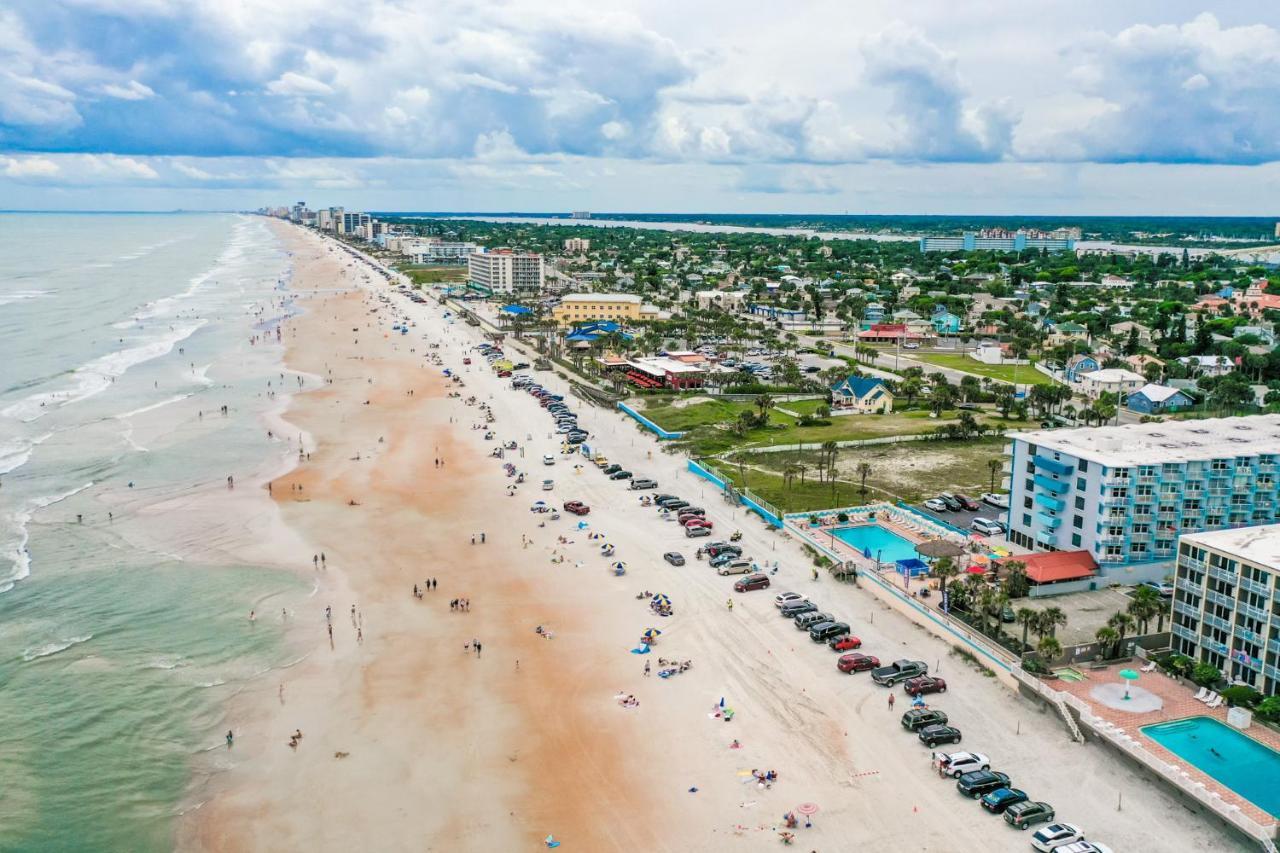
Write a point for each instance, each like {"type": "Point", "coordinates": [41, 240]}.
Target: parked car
{"type": "Point", "coordinates": [1001, 501]}
{"type": "Point", "coordinates": [719, 549]}
{"type": "Point", "coordinates": [845, 644]}
{"type": "Point", "coordinates": [923, 684]}
{"type": "Point", "coordinates": [935, 505]}
{"type": "Point", "coordinates": [1056, 836]}
{"type": "Point", "coordinates": [610, 470]}
{"type": "Point", "coordinates": [642, 483]}
{"type": "Point", "coordinates": [576, 507]}
{"type": "Point", "coordinates": [956, 764]}
{"type": "Point", "coordinates": [751, 582]}
{"type": "Point", "coordinates": [620, 475]}
{"type": "Point", "coordinates": [695, 521]}
{"type": "Point", "coordinates": [1083, 847]}
{"type": "Point", "coordinates": [737, 567]}
{"type": "Point", "coordinates": [674, 506]}
{"type": "Point", "coordinates": [824, 631]}
{"type": "Point", "coordinates": [783, 598]}
{"type": "Point", "coordinates": [857, 662]}
{"type": "Point", "coordinates": [967, 503]}
{"type": "Point", "coordinates": [931, 736]}
{"type": "Point", "coordinates": [548, 459]}
{"type": "Point", "coordinates": [548, 485]}
{"type": "Point", "coordinates": [692, 510]}
{"type": "Point", "coordinates": [987, 526]}
{"type": "Point", "coordinates": [805, 621]}
{"type": "Point", "coordinates": [658, 499]}
{"type": "Point", "coordinates": [795, 608]}
{"type": "Point", "coordinates": [675, 558]}
{"type": "Point", "coordinates": [951, 501]}
{"type": "Point", "coordinates": [696, 532]}
{"type": "Point", "coordinates": [725, 557]}
{"type": "Point", "coordinates": [917, 718]}
{"type": "Point", "coordinates": [899, 671]}
{"type": "Point", "coordinates": [1024, 814]}
{"type": "Point", "coordinates": [1001, 798]}
{"type": "Point", "coordinates": [1165, 589]}
{"type": "Point", "coordinates": [979, 783]}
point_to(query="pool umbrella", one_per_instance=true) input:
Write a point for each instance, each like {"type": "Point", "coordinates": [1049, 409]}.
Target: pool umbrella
{"type": "Point", "coordinates": [1128, 675]}
{"type": "Point", "coordinates": [938, 548]}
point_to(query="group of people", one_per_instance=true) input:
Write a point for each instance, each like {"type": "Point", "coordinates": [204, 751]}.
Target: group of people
{"type": "Point", "coordinates": [462, 605]}
{"type": "Point", "coordinates": [427, 585]}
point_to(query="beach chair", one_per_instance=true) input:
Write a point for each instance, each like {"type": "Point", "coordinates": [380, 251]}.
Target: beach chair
{"type": "Point", "coordinates": [1202, 695]}
{"type": "Point", "coordinates": [1149, 667]}
{"type": "Point", "coordinates": [1217, 700]}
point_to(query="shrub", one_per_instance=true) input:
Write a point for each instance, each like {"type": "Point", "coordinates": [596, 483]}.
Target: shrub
{"type": "Point", "coordinates": [1177, 664]}
{"type": "Point", "coordinates": [1269, 708]}
{"type": "Point", "coordinates": [1206, 674]}
{"type": "Point", "coordinates": [1242, 695]}
{"type": "Point", "coordinates": [842, 517]}
{"type": "Point", "coordinates": [813, 519]}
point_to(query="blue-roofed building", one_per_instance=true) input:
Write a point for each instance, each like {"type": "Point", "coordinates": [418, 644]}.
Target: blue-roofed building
{"type": "Point", "coordinates": [589, 332]}
{"type": "Point", "coordinates": [861, 395]}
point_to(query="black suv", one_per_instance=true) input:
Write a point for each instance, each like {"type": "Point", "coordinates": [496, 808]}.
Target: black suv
{"type": "Point", "coordinates": [918, 718]}
{"type": "Point", "coordinates": [979, 783]}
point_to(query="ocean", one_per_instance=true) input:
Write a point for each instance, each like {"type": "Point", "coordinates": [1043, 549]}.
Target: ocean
{"type": "Point", "coordinates": [123, 639]}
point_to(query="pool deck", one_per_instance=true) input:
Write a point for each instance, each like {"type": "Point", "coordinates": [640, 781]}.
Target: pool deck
{"type": "Point", "coordinates": [1178, 703]}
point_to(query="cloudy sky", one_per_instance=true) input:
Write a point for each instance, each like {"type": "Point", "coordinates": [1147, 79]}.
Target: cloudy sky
{"type": "Point", "coordinates": [1089, 106]}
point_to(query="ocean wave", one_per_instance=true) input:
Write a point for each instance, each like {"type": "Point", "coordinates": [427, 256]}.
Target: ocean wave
{"type": "Point", "coordinates": [178, 398]}
{"type": "Point", "coordinates": [17, 452]}
{"type": "Point", "coordinates": [20, 566]}
{"type": "Point", "coordinates": [22, 296]}
{"type": "Point", "coordinates": [97, 376]}
{"type": "Point", "coordinates": [48, 649]}
{"type": "Point", "coordinates": [166, 662]}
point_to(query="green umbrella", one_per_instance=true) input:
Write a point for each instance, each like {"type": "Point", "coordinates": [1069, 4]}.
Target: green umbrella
{"type": "Point", "coordinates": [1128, 675]}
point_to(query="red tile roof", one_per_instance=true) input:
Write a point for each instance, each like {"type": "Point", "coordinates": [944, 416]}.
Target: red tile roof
{"type": "Point", "coordinates": [1056, 566]}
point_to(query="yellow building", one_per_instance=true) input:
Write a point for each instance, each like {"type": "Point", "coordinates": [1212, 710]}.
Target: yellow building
{"type": "Point", "coordinates": [585, 307]}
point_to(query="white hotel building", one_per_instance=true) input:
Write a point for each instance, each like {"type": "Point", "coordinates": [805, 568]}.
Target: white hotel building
{"type": "Point", "coordinates": [1226, 603]}
{"type": "Point", "coordinates": [1126, 493]}
{"type": "Point", "coordinates": [504, 271]}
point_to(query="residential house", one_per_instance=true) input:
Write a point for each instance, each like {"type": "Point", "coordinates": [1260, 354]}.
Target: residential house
{"type": "Point", "coordinates": [1157, 399]}
{"type": "Point", "coordinates": [1114, 380]}
{"type": "Point", "coordinates": [1208, 365]}
{"type": "Point", "coordinates": [944, 322]}
{"type": "Point", "coordinates": [1122, 331]}
{"type": "Point", "coordinates": [1064, 333]}
{"type": "Point", "coordinates": [861, 395]}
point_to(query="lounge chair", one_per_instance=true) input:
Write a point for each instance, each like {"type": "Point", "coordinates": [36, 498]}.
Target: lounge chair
{"type": "Point", "coordinates": [1202, 695]}
{"type": "Point", "coordinates": [1217, 700]}
{"type": "Point", "coordinates": [1149, 667]}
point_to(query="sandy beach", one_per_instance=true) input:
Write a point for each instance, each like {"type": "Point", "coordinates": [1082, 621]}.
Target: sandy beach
{"type": "Point", "coordinates": [413, 739]}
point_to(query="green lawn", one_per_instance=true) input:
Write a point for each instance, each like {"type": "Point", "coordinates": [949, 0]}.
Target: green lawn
{"type": "Point", "coordinates": [701, 422]}
{"type": "Point", "coordinates": [435, 275]}
{"type": "Point", "coordinates": [1024, 373]}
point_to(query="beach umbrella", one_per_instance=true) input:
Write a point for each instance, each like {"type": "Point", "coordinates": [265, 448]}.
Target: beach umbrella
{"type": "Point", "coordinates": [807, 808]}
{"type": "Point", "coordinates": [650, 633]}
{"type": "Point", "coordinates": [1128, 675]}
{"type": "Point", "coordinates": [661, 599]}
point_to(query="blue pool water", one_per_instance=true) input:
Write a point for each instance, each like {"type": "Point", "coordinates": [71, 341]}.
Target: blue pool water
{"type": "Point", "coordinates": [1241, 763]}
{"type": "Point", "coordinates": [883, 544]}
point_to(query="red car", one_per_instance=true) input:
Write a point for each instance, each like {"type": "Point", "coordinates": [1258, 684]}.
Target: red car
{"type": "Point", "coordinates": [751, 582]}
{"type": "Point", "coordinates": [857, 662]}
{"type": "Point", "coordinates": [845, 644]}
{"type": "Point", "coordinates": [576, 507]}
{"type": "Point", "coordinates": [466, 361]}
{"type": "Point", "coordinates": [696, 521]}
{"type": "Point", "coordinates": [923, 684]}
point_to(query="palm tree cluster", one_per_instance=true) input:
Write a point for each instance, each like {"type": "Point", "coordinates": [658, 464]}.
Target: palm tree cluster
{"type": "Point", "coordinates": [1144, 605]}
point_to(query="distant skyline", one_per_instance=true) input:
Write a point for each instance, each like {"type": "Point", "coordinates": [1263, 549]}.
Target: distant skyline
{"type": "Point", "coordinates": [1051, 108]}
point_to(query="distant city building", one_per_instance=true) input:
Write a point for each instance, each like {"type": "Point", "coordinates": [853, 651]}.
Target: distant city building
{"type": "Point", "coordinates": [435, 251]}
{"type": "Point", "coordinates": [731, 301]}
{"type": "Point", "coordinates": [580, 214]}
{"type": "Point", "coordinates": [1000, 240]}
{"type": "Point", "coordinates": [1125, 493]}
{"type": "Point", "coordinates": [1226, 597]}
{"type": "Point", "coordinates": [505, 271]}
{"type": "Point", "coordinates": [577, 245]}
{"type": "Point", "coordinates": [577, 308]}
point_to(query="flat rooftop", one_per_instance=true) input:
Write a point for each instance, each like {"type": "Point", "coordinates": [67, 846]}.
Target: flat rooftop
{"type": "Point", "coordinates": [1156, 443]}
{"type": "Point", "coordinates": [1258, 545]}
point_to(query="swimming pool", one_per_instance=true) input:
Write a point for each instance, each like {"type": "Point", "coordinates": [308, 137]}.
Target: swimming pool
{"type": "Point", "coordinates": [1070, 673]}
{"type": "Point", "coordinates": [1237, 761]}
{"type": "Point", "coordinates": [881, 544]}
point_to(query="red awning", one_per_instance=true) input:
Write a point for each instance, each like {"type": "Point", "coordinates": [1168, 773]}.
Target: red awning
{"type": "Point", "coordinates": [1055, 566]}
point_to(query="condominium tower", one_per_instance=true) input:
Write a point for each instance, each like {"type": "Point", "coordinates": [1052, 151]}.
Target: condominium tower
{"type": "Point", "coordinates": [1226, 605]}
{"type": "Point", "coordinates": [505, 271]}
{"type": "Point", "coordinates": [1125, 493]}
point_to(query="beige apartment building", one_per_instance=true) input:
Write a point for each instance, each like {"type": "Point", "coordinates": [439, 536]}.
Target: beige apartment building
{"type": "Point", "coordinates": [586, 307]}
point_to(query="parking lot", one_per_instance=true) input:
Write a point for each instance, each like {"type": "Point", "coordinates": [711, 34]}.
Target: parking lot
{"type": "Point", "coordinates": [963, 517]}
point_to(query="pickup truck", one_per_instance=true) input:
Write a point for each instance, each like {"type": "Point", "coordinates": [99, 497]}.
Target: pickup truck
{"type": "Point", "coordinates": [899, 671]}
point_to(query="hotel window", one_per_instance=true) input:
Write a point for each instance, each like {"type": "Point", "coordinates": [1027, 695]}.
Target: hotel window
{"type": "Point", "coordinates": [1080, 483]}
{"type": "Point", "coordinates": [1077, 522]}
{"type": "Point", "coordinates": [1075, 540]}
{"type": "Point", "coordinates": [1079, 502]}
{"type": "Point", "coordinates": [1084, 464]}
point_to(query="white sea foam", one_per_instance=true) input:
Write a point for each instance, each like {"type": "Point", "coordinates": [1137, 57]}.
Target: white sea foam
{"type": "Point", "coordinates": [44, 651]}
{"type": "Point", "coordinates": [20, 567]}
{"type": "Point", "coordinates": [17, 452]}
{"type": "Point", "coordinates": [178, 398]}
{"type": "Point", "coordinates": [22, 296]}
{"type": "Point", "coordinates": [166, 662]}
{"type": "Point", "coordinates": [96, 376]}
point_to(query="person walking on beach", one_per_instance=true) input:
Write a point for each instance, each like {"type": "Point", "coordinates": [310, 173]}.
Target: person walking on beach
{"type": "Point", "coordinates": [890, 701]}
{"type": "Point", "coordinates": [646, 669]}
{"type": "Point", "coordinates": [230, 738]}
{"type": "Point", "coordinates": [315, 560]}
{"type": "Point", "coordinates": [477, 645]}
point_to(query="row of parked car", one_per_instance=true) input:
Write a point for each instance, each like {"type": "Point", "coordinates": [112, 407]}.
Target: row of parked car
{"type": "Point", "coordinates": [564, 418]}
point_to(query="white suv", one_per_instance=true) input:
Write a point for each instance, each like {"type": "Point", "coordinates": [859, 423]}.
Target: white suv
{"type": "Point", "coordinates": [548, 459]}
{"type": "Point", "coordinates": [987, 527]}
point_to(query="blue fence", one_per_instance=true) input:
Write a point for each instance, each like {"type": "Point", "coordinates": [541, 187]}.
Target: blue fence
{"type": "Point", "coordinates": [706, 474]}
{"type": "Point", "coordinates": [760, 511]}
{"type": "Point", "coordinates": [666, 435]}
{"type": "Point", "coordinates": [749, 503]}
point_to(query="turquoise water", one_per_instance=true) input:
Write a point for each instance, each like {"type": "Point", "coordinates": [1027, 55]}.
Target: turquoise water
{"type": "Point", "coordinates": [882, 544]}
{"type": "Point", "coordinates": [122, 639]}
{"type": "Point", "coordinates": [1244, 765]}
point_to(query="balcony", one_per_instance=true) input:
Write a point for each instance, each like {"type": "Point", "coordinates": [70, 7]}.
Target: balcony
{"type": "Point", "coordinates": [1187, 585]}
{"type": "Point", "coordinates": [1186, 633]}
{"type": "Point", "coordinates": [1265, 467]}
{"type": "Point", "coordinates": [1114, 500]}
{"type": "Point", "coordinates": [1220, 599]}
{"type": "Point", "coordinates": [1115, 481]}
{"type": "Point", "coordinates": [1219, 573]}
{"type": "Point", "coordinates": [1221, 624]}
{"type": "Point", "coordinates": [1056, 486]}
{"type": "Point", "coordinates": [1047, 537]}
{"type": "Point", "coordinates": [1252, 612]}
{"type": "Point", "coordinates": [1271, 671]}
{"type": "Point", "coordinates": [1193, 563]}
{"type": "Point", "coordinates": [1050, 503]}
{"type": "Point", "coordinates": [1254, 586]}
{"type": "Point", "coordinates": [1049, 521]}
{"type": "Point", "coordinates": [1273, 645]}
{"type": "Point", "coordinates": [1111, 538]}
{"type": "Point", "coordinates": [1186, 609]}
{"type": "Point", "coordinates": [1213, 645]}
{"type": "Point", "coordinates": [1060, 468]}
{"type": "Point", "coordinates": [1248, 636]}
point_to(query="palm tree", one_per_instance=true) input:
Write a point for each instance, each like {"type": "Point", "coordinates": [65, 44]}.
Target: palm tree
{"type": "Point", "coordinates": [995, 466]}
{"type": "Point", "coordinates": [1051, 618]}
{"type": "Point", "coordinates": [1106, 637]}
{"type": "Point", "coordinates": [830, 450]}
{"type": "Point", "coordinates": [1144, 603]}
{"type": "Point", "coordinates": [764, 402]}
{"type": "Point", "coordinates": [944, 569]}
{"type": "Point", "coordinates": [1026, 618]}
{"type": "Point", "coordinates": [864, 471]}
{"type": "Point", "coordinates": [1123, 623]}
{"type": "Point", "coordinates": [1048, 649]}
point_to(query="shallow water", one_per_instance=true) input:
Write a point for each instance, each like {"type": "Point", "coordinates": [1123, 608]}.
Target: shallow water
{"type": "Point", "coordinates": [121, 337]}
